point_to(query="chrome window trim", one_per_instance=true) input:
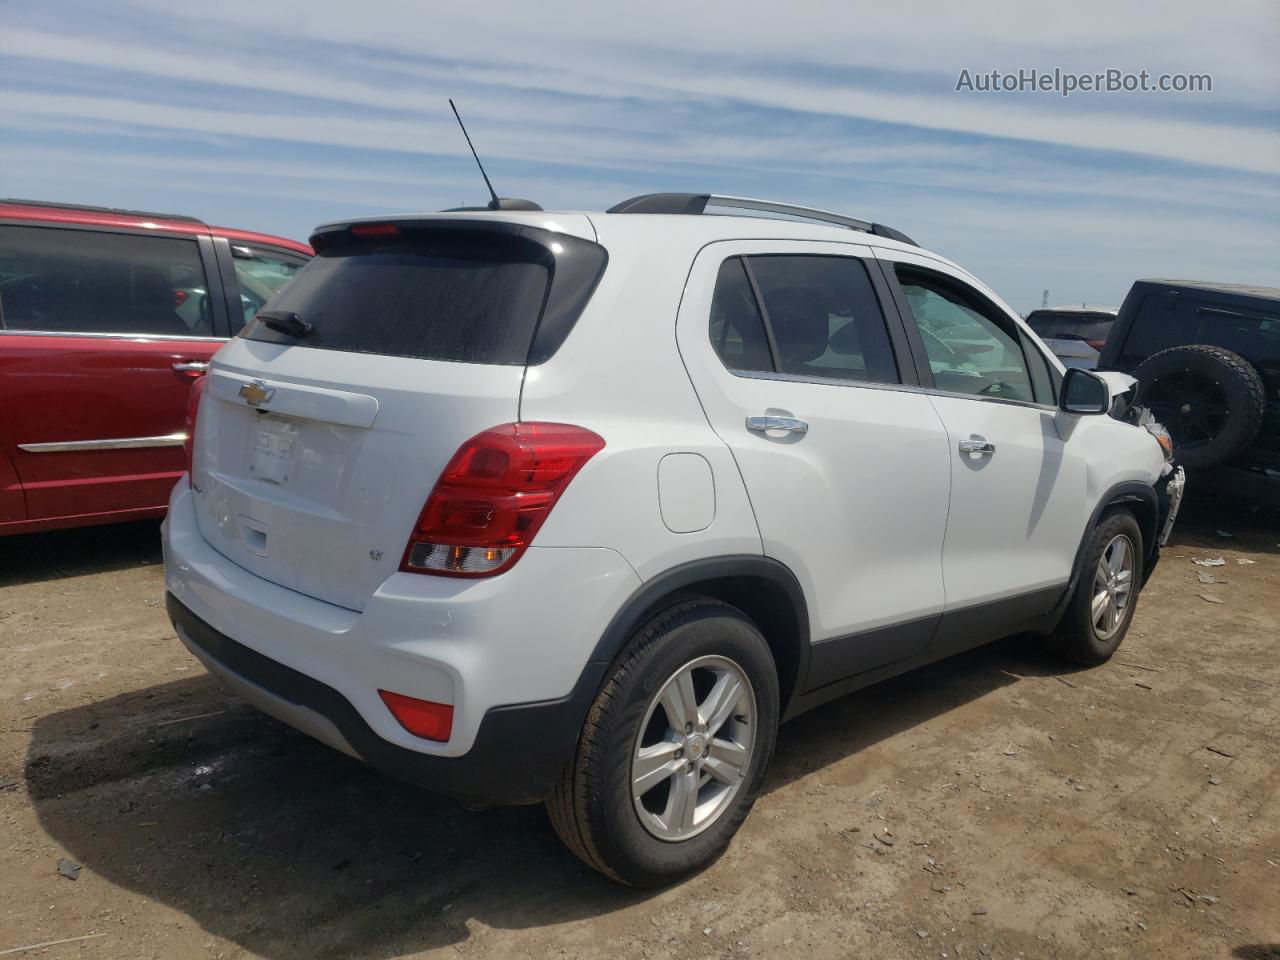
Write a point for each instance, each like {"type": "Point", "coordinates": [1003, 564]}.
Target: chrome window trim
{"type": "Point", "coordinates": [121, 443]}
{"type": "Point", "coordinates": [875, 385]}
{"type": "Point", "coordinates": [112, 336]}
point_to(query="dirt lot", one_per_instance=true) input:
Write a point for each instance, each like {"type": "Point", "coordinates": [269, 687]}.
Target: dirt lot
{"type": "Point", "coordinates": [997, 805]}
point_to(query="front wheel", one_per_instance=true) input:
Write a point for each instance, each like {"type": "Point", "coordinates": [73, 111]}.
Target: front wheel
{"type": "Point", "coordinates": [1100, 611]}
{"type": "Point", "coordinates": [674, 749]}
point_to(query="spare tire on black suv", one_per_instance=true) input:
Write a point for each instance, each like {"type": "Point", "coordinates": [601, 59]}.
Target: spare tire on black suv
{"type": "Point", "coordinates": [1210, 399]}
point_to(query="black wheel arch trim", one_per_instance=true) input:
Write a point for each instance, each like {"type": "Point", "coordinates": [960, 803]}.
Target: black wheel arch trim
{"type": "Point", "coordinates": [1129, 491]}
{"type": "Point", "coordinates": [711, 575]}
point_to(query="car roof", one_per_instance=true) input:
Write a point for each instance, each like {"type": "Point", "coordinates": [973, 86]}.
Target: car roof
{"type": "Point", "coordinates": [699, 229]}
{"type": "Point", "coordinates": [1087, 311]}
{"type": "Point", "coordinates": [670, 230]}
{"type": "Point", "coordinates": [40, 211]}
{"type": "Point", "coordinates": [1236, 289]}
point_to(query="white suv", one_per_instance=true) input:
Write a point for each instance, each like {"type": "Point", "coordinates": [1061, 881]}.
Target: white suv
{"type": "Point", "coordinates": [577, 507]}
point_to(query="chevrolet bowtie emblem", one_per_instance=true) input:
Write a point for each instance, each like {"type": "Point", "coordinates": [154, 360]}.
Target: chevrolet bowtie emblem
{"type": "Point", "coordinates": [256, 393]}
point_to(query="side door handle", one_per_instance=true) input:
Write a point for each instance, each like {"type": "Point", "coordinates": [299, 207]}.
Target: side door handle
{"type": "Point", "coordinates": [190, 366]}
{"type": "Point", "coordinates": [978, 446]}
{"type": "Point", "coordinates": [785, 424]}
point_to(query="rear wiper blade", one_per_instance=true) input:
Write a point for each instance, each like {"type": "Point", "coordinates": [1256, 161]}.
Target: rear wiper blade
{"type": "Point", "coordinates": [285, 322]}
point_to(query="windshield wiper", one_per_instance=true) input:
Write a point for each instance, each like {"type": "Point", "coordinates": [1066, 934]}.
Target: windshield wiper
{"type": "Point", "coordinates": [286, 322]}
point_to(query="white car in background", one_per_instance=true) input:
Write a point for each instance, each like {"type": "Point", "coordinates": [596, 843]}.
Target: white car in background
{"type": "Point", "coordinates": [578, 507]}
{"type": "Point", "coordinates": [1076, 335]}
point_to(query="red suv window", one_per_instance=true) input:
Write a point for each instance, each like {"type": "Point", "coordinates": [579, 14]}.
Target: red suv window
{"type": "Point", "coordinates": [80, 281]}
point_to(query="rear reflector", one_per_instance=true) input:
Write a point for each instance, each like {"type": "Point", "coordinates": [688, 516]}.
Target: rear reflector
{"type": "Point", "coordinates": [494, 496]}
{"type": "Point", "coordinates": [422, 718]}
{"type": "Point", "coordinates": [375, 230]}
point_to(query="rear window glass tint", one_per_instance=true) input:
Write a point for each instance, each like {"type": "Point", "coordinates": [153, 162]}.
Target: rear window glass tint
{"type": "Point", "coordinates": [466, 298]}
{"type": "Point", "coordinates": [825, 318]}
{"type": "Point", "coordinates": [1057, 326]}
{"type": "Point", "coordinates": [1158, 326]}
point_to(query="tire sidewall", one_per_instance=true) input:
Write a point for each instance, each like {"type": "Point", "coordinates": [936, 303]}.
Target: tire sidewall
{"type": "Point", "coordinates": [716, 632]}
{"type": "Point", "coordinates": [1120, 522]}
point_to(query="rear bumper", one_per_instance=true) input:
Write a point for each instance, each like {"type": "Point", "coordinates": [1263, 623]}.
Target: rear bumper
{"type": "Point", "coordinates": [518, 754]}
{"type": "Point", "coordinates": [510, 653]}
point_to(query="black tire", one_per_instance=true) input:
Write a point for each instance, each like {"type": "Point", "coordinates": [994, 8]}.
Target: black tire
{"type": "Point", "coordinates": [1209, 399]}
{"type": "Point", "coordinates": [592, 809]}
{"type": "Point", "coordinates": [1077, 637]}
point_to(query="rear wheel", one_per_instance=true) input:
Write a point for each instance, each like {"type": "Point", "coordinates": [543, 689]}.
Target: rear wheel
{"type": "Point", "coordinates": [1210, 399]}
{"type": "Point", "coordinates": [1100, 611]}
{"type": "Point", "coordinates": [674, 749]}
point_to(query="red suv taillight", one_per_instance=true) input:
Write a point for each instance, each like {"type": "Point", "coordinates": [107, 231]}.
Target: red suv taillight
{"type": "Point", "coordinates": [494, 495]}
{"type": "Point", "coordinates": [189, 427]}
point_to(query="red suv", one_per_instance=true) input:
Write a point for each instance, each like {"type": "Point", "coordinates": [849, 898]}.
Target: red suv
{"type": "Point", "coordinates": [106, 318]}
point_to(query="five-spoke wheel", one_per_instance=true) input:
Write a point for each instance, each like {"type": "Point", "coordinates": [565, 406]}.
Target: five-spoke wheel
{"type": "Point", "coordinates": [1112, 586]}
{"type": "Point", "coordinates": [693, 748]}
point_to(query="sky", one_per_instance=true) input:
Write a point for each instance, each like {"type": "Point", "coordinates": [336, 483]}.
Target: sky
{"type": "Point", "coordinates": [278, 116]}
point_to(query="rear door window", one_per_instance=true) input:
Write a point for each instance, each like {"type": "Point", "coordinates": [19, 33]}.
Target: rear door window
{"type": "Point", "coordinates": [825, 318]}
{"type": "Point", "coordinates": [57, 280]}
{"type": "Point", "coordinates": [815, 317]}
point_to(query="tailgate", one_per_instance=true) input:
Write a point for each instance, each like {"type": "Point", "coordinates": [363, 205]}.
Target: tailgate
{"type": "Point", "coordinates": [317, 486]}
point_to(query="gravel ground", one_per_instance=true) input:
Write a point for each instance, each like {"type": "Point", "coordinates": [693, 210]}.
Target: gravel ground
{"type": "Point", "coordinates": [995, 805]}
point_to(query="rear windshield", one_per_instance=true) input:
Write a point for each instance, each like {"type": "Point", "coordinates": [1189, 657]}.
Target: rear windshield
{"type": "Point", "coordinates": [1070, 326]}
{"type": "Point", "coordinates": [470, 298]}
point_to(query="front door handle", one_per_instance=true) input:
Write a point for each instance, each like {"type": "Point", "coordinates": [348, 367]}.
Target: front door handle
{"type": "Point", "coordinates": [785, 424]}
{"type": "Point", "coordinates": [978, 446]}
{"type": "Point", "coordinates": [190, 366]}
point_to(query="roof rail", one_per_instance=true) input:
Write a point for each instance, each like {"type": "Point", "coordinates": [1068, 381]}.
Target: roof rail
{"type": "Point", "coordinates": [697, 203]}
{"type": "Point", "coordinates": [91, 209]}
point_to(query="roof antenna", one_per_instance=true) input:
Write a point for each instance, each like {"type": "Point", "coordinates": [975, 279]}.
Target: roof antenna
{"type": "Point", "coordinates": [495, 203]}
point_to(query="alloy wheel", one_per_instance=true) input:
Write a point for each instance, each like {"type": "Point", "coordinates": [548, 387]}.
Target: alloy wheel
{"type": "Point", "coordinates": [694, 747]}
{"type": "Point", "coordinates": [1112, 587]}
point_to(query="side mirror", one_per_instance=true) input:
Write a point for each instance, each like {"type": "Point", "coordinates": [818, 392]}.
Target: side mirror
{"type": "Point", "coordinates": [1084, 392]}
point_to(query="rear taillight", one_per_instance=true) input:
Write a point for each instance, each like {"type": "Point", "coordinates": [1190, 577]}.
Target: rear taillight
{"type": "Point", "coordinates": [179, 297]}
{"type": "Point", "coordinates": [494, 495]}
{"type": "Point", "coordinates": [189, 427]}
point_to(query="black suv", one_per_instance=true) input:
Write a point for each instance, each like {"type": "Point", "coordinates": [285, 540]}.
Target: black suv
{"type": "Point", "coordinates": [1207, 358]}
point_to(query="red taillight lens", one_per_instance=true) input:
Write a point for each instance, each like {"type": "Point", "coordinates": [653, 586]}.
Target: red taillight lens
{"type": "Point", "coordinates": [375, 230]}
{"type": "Point", "coordinates": [189, 427]}
{"type": "Point", "coordinates": [494, 495]}
{"type": "Point", "coordinates": [1098, 343]}
{"type": "Point", "coordinates": [179, 297]}
{"type": "Point", "coordinates": [422, 718]}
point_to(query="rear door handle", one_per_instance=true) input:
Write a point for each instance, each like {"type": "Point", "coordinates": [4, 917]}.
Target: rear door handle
{"type": "Point", "coordinates": [978, 446]}
{"type": "Point", "coordinates": [190, 366]}
{"type": "Point", "coordinates": [785, 424]}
